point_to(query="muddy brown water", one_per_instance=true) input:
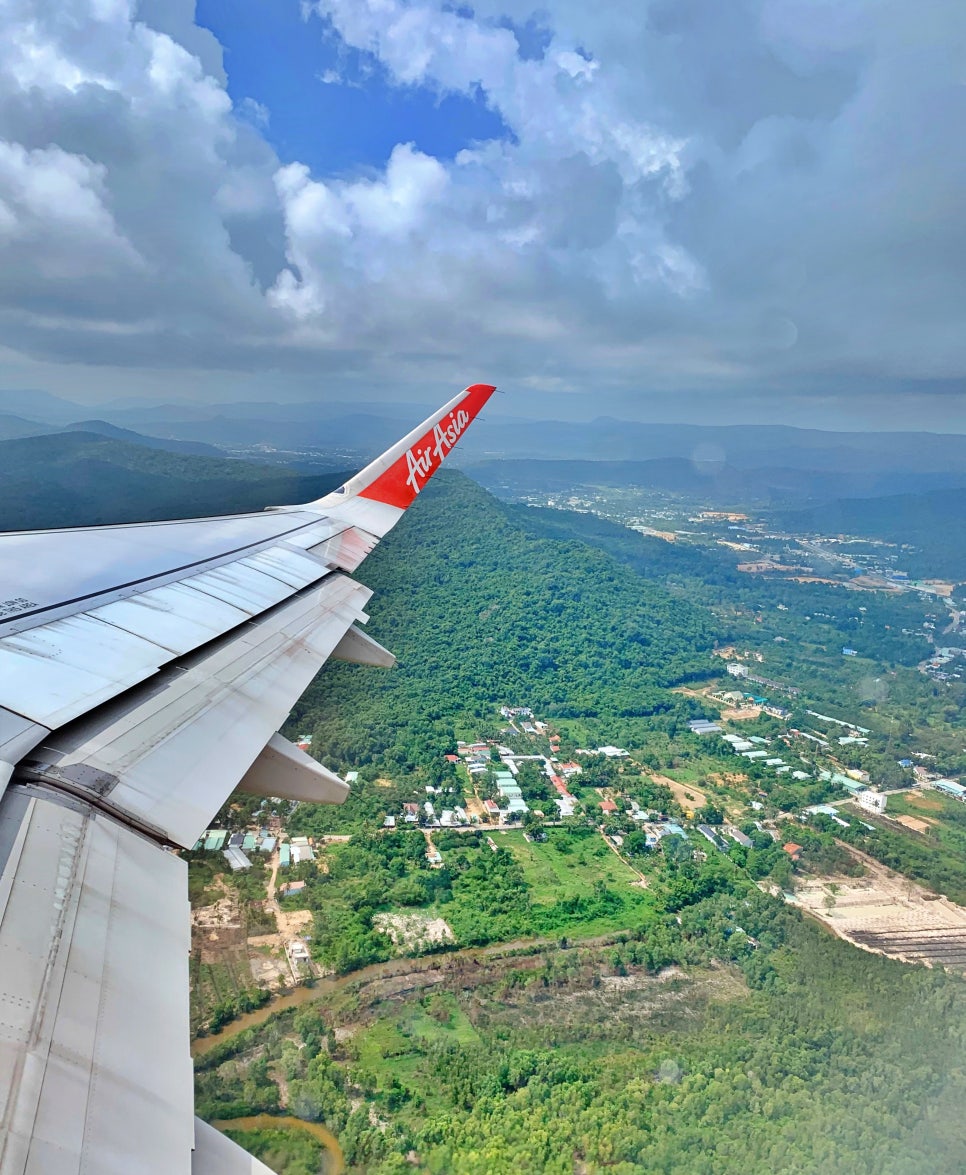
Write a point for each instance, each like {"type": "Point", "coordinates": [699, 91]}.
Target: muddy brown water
{"type": "Point", "coordinates": [308, 995]}
{"type": "Point", "coordinates": [389, 969]}
{"type": "Point", "coordinates": [335, 1162]}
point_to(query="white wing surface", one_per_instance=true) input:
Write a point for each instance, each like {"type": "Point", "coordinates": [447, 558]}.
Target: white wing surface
{"type": "Point", "coordinates": [144, 673]}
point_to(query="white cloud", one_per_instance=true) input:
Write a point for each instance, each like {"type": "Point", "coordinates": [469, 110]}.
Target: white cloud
{"type": "Point", "coordinates": [686, 195]}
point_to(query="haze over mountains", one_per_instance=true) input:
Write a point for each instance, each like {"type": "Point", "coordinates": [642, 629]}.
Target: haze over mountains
{"type": "Point", "coordinates": [719, 483]}
{"type": "Point", "coordinates": [51, 450]}
{"type": "Point", "coordinates": [81, 479]}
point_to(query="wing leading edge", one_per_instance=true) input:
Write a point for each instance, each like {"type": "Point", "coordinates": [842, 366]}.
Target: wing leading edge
{"type": "Point", "coordinates": [144, 672]}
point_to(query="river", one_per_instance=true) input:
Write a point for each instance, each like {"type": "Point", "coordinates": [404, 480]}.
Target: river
{"type": "Point", "coordinates": [393, 967]}
{"type": "Point", "coordinates": [322, 987]}
{"type": "Point", "coordinates": [335, 1162]}
{"type": "Point", "coordinates": [306, 995]}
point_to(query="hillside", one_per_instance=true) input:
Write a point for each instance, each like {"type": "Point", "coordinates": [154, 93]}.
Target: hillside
{"type": "Point", "coordinates": [104, 429]}
{"type": "Point", "coordinates": [480, 611]}
{"type": "Point", "coordinates": [12, 427]}
{"type": "Point", "coordinates": [81, 479]}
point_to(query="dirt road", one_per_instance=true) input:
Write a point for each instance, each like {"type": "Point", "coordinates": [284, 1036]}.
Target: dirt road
{"type": "Point", "coordinates": [641, 879]}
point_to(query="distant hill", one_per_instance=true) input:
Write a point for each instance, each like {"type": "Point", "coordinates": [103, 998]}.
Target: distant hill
{"type": "Point", "coordinates": [738, 446]}
{"type": "Point", "coordinates": [12, 427]}
{"type": "Point", "coordinates": [82, 479]}
{"type": "Point", "coordinates": [867, 459]}
{"type": "Point", "coordinates": [358, 432]}
{"type": "Point", "coordinates": [37, 405]}
{"type": "Point", "coordinates": [712, 481]}
{"type": "Point", "coordinates": [934, 523]}
{"type": "Point", "coordinates": [105, 429]}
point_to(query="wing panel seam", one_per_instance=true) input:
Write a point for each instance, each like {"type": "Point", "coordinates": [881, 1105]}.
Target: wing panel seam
{"type": "Point", "coordinates": [161, 579]}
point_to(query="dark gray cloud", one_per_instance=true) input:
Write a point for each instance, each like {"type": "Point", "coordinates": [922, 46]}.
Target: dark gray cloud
{"type": "Point", "coordinates": [750, 203]}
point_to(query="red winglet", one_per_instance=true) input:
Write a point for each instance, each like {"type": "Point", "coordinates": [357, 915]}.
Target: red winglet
{"type": "Point", "coordinates": [415, 459]}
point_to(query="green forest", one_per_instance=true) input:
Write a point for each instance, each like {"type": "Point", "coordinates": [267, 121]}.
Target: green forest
{"type": "Point", "coordinates": [730, 1035]}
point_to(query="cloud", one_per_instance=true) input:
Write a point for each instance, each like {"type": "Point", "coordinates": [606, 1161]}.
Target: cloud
{"type": "Point", "coordinates": [765, 196]}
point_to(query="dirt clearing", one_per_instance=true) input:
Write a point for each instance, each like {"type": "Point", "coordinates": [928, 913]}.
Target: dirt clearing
{"type": "Point", "coordinates": [415, 931]}
{"type": "Point", "coordinates": [888, 914]}
{"type": "Point", "coordinates": [686, 794]}
{"type": "Point", "coordinates": [915, 823]}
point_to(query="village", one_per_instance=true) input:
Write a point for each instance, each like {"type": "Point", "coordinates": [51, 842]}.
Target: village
{"type": "Point", "coordinates": [521, 783]}
{"type": "Point", "coordinates": [487, 792]}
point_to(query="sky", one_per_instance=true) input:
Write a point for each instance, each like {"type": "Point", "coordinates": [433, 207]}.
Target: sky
{"type": "Point", "coordinates": [671, 210]}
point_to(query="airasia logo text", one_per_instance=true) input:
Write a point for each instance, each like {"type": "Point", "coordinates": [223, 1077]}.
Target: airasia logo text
{"type": "Point", "coordinates": [422, 461]}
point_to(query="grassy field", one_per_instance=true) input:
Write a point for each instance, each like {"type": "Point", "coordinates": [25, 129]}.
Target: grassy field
{"type": "Point", "coordinates": [216, 983]}
{"type": "Point", "coordinates": [929, 805]}
{"type": "Point", "coordinates": [565, 866]}
{"type": "Point", "coordinates": [399, 1047]}
{"type": "Point", "coordinates": [562, 866]}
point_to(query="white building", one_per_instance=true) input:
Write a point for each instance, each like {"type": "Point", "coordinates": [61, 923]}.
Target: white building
{"type": "Point", "coordinates": [873, 801]}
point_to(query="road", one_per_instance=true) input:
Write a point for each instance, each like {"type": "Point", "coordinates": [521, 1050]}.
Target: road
{"type": "Point", "coordinates": [623, 860]}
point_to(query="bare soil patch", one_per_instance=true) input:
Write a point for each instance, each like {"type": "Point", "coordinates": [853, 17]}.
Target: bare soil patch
{"type": "Point", "coordinates": [888, 914]}
{"type": "Point", "coordinates": [686, 794]}
{"type": "Point", "coordinates": [742, 715]}
{"type": "Point", "coordinates": [293, 922]}
{"type": "Point", "coordinates": [915, 823]}
{"type": "Point", "coordinates": [217, 929]}
{"type": "Point", "coordinates": [474, 807]}
{"type": "Point", "coordinates": [928, 801]}
{"type": "Point", "coordinates": [415, 931]}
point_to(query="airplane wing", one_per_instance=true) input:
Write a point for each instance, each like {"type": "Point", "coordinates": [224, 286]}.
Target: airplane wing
{"type": "Point", "coordinates": [144, 673]}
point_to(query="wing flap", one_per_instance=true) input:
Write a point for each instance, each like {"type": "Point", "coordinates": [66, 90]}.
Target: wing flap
{"type": "Point", "coordinates": [94, 935]}
{"type": "Point", "coordinates": [168, 759]}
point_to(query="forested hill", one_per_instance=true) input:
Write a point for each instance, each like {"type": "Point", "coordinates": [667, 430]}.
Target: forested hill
{"type": "Point", "coordinates": [480, 611]}
{"type": "Point", "coordinates": [82, 479]}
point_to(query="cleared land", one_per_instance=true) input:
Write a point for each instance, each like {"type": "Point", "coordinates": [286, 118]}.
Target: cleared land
{"type": "Point", "coordinates": [219, 953]}
{"type": "Point", "coordinates": [686, 794]}
{"type": "Point", "coordinates": [890, 915]}
{"type": "Point", "coordinates": [914, 823]}
{"type": "Point", "coordinates": [414, 931]}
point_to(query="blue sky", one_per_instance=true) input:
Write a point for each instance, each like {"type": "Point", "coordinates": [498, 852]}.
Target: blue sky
{"type": "Point", "coordinates": [279, 59]}
{"type": "Point", "coordinates": [666, 209]}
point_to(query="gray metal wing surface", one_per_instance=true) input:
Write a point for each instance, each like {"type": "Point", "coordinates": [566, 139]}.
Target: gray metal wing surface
{"type": "Point", "coordinates": [144, 673]}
